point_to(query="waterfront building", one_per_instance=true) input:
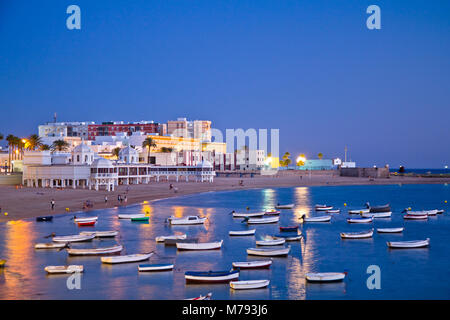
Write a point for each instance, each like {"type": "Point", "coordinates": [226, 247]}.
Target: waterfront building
{"type": "Point", "coordinates": [119, 127]}
{"type": "Point", "coordinates": [197, 129]}
{"type": "Point", "coordinates": [249, 159]}
{"type": "Point", "coordinates": [64, 129]}
{"type": "Point", "coordinates": [317, 164]}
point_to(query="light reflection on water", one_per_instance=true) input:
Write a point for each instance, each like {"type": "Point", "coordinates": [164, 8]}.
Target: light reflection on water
{"type": "Point", "coordinates": [321, 249]}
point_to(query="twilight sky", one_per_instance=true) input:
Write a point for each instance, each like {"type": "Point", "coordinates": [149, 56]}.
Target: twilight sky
{"type": "Point", "coordinates": [310, 68]}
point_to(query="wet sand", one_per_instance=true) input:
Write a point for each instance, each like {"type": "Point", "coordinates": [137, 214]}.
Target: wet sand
{"type": "Point", "coordinates": [21, 203]}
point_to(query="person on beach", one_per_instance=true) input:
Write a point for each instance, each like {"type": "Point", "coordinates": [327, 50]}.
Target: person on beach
{"type": "Point", "coordinates": [52, 203]}
{"type": "Point", "coordinates": [106, 199]}
{"type": "Point", "coordinates": [125, 199]}
{"type": "Point", "coordinates": [170, 186]}
{"type": "Point", "coordinates": [119, 198]}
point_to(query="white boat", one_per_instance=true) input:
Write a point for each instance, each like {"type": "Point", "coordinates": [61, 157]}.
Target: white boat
{"type": "Point", "coordinates": [376, 215]}
{"type": "Point", "coordinates": [390, 230]}
{"type": "Point", "coordinates": [272, 212]}
{"type": "Point", "coordinates": [269, 252]}
{"type": "Point", "coordinates": [93, 252]}
{"type": "Point", "coordinates": [131, 216]}
{"type": "Point", "coordinates": [360, 220]}
{"type": "Point", "coordinates": [325, 276]}
{"type": "Point", "coordinates": [155, 267]}
{"type": "Point", "coordinates": [415, 217]}
{"type": "Point", "coordinates": [284, 206]}
{"type": "Point", "coordinates": [323, 207]}
{"type": "Point", "coordinates": [440, 211]}
{"type": "Point", "coordinates": [88, 219]}
{"type": "Point", "coordinates": [127, 258]}
{"type": "Point", "coordinates": [172, 237]}
{"type": "Point", "coordinates": [289, 237]}
{"type": "Point", "coordinates": [271, 242]}
{"type": "Point", "coordinates": [51, 245]}
{"type": "Point", "coordinates": [247, 214]}
{"type": "Point", "coordinates": [73, 238]}
{"type": "Point", "coordinates": [187, 220]}
{"type": "Point", "coordinates": [253, 264]}
{"type": "Point", "coordinates": [357, 235]}
{"type": "Point", "coordinates": [250, 284]}
{"type": "Point", "coordinates": [211, 276]}
{"type": "Point", "coordinates": [199, 246]}
{"type": "Point", "coordinates": [207, 297]}
{"type": "Point", "coordinates": [100, 234]}
{"type": "Point", "coordinates": [317, 219]}
{"type": "Point", "coordinates": [409, 244]}
{"type": "Point", "coordinates": [358, 211]}
{"type": "Point", "coordinates": [64, 269]}
{"type": "Point", "coordinates": [334, 211]}
{"type": "Point", "coordinates": [242, 232]}
{"type": "Point", "coordinates": [263, 220]}
{"type": "Point", "coordinates": [423, 212]}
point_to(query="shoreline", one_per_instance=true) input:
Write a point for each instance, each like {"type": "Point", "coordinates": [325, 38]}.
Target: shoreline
{"type": "Point", "coordinates": [24, 203]}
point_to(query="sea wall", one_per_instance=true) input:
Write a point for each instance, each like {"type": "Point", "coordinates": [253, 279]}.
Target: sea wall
{"type": "Point", "coordinates": [11, 179]}
{"type": "Point", "coordinates": [364, 172]}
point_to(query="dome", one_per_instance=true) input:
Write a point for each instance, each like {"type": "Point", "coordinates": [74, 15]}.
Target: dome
{"type": "Point", "coordinates": [82, 148]}
{"type": "Point", "coordinates": [102, 163]}
{"type": "Point", "coordinates": [205, 164]}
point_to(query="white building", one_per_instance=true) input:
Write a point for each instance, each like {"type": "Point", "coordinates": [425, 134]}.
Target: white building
{"type": "Point", "coordinates": [249, 159]}
{"type": "Point", "coordinates": [64, 129]}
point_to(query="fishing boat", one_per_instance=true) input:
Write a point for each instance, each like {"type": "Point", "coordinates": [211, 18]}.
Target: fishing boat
{"type": "Point", "coordinates": [95, 252]}
{"type": "Point", "coordinates": [269, 252]}
{"type": "Point", "coordinates": [140, 219]}
{"type": "Point", "coordinates": [270, 242]}
{"type": "Point", "coordinates": [360, 220]}
{"type": "Point", "coordinates": [155, 267]}
{"type": "Point", "coordinates": [50, 245]}
{"type": "Point", "coordinates": [131, 216]}
{"type": "Point", "coordinates": [325, 276]}
{"type": "Point", "coordinates": [316, 219]}
{"type": "Point", "coordinates": [187, 220]}
{"type": "Point", "coordinates": [382, 208]}
{"type": "Point", "coordinates": [128, 258]}
{"type": "Point", "coordinates": [289, 237]}
{"type": "Point", "coordinates": [242, 233]}
{"type": "Point", "coordinates": [289, 229]}
{"type": "Point", "coordinates": [44, 219]}
{"type": "Point", "coordinates": [415, 217]}
{"type": "Point", "coordinates": [73, 238]}
{"type": "Point", "coordinates": [172, 237]}
{"type": "Point", "coordinates": [200, 246]}
{"type": "Point", "coordinates": [87, 223]}
{"type": "Point", "coordinates": [88, 219]}
{"type": "Point", "coordinates": [211, 276]}
{"type": "Point", "coordinates": [334, 211]}
{"type": "Point", "coordinates": [207, 297]}
{"type": "Point", "coordinates": [323, 207]}
{"type": "Point", "coordinates": [358, 211]}
{"type": "Point", "coordinates": [284, 206]}
{"type": "Point", "coordinates": [250, 284]}
{"type": "Point", "coordinates": [376, 215]}
{"type": "Point", "coordinates": [409, 244]}
{"type": "Point", "coordinates": [253, 264]}
{"type": "Point", "coordinates": [357, 235]}
{"type": "Point", "coordinates": [100, 234]}
{"type": "Point", "coordinates": [262, 220]}
{"type": "Point", "coordinates": [64, 269]}
{"type": "Point", "coordinates": [247, 214]}
{"type": "Point", "coordinates": [272, 212]}
{"type": "Point", "coordinates": [390, 230]}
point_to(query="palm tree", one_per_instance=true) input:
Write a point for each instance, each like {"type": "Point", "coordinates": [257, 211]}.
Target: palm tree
{"type": "Point", "coordinates": [286, 161]}
{"type": "Point", "coordinates": [320, 155]}
{"type": "Point", "coordinates": [33, 142]}
{"type": "Point", "coordinates": [166, 150]}
{"type": "Point", "coordinates": [44, 147]}
{"type": "Point", "coordinates": [60, 145]}
{"type": "Point", "coordinates": [11, 143]}
{"type": "Point", "coordinates": [115, 152]}
{"type": "Point", "coordinates": [148, 143]}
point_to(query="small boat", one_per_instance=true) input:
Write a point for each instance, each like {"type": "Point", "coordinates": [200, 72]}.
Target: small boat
{"type": "Point", "coordinates": [247, 214]}
{"type": "Point", "coordinates": [288, 237]}
{"type": "Point", "coordinates": [140, 219]}
{"type": "Point", "coordinates": [253, 264]}
{"type": "Point", "coordinates": [100, 234]}
{"type": "Point", "coordinates": [199, 246]}
{"type": "Point", "coordinates": [250, 284]}
{"type": "Point", "coordinates": [128, 258]}
{"type": "Point", "coordinates": [376, 215]}
{"type": "Point", "coordinates": [382, 208]}
{"type": "Point", "coordinates": [284, 206]}
{"type": "Point", "coordinates": [81, 220]}
{"type": "Point", "coordinates": [358, 211]}
{"type": "Point", "coordinates": [421, 213]}
{"type": "Point", "coordinates": [94, 252]}
{"type": "Point", "coordinates": [360, 220]}
{"type": "Point", "coordinates": [173, 237]}
{"type": "Point", "coordinates": [390, 230]}
{"type": "Point", "coordinates": [173, 242]}
{"type": "Point", "coordinates": [187, 220]}
{"type": "Point", "coordinates": [87, 223]}
{"type": "Point", "coordinates": [262, 220]}
{"type": "Point", "coordinates": [325, 276]}
{"type": "Point", "coordinates": [415, 217]}
{"type": "Point", "coordinates": [50, 245]}
{"type": "Point", "coordinates": [271, 242]}
{"type": "Point", "coordinates": [323, 207]}
{"type": "Point", "coordinates": [242, 233]}
{"type": "Point", "coordinates": [44, 219]}
{"type": "Point", "coordinates": [64, 269]}
{"type": "Point", "coordinates": [289, 229]}
{"type": "Point", "coordinates": [272, 212]}
{"type": "Point", "coordinates": [317, 219]}
{"type": "Point", "coordinates": [155, 267]}
{"type": "Point", "coordinates": [357, 235]}
{"type": "Point", "coordinates": [334, 211]}
{"type": "Point", "coordinates": [269, 252]}
{"type": "Point", "coordinates": [207, 297]}
{"type": "Point", "coordinates": [211, 276]}
{"type": "Point", "coordinates": [409, 244]}
{"type": "Point", "coordinates": [131, 216]}
{"type": "Point", "coordinates": [440, 211]}
{"type": "Point", "coordinates": [73, 238]}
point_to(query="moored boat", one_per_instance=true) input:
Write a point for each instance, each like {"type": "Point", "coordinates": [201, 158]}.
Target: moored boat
{"type": "Point", "coordinates": [334, 211]}
{"type": "Point", "coordinates": [247, 214]}
{"type": "Point", "coordinates": [87, 223]}
{"type": "Point", "coordinates": [96, 251]}
{"type": "Point", "coordinates": [242, 232]}
{"type": "Point", "coordinates": [262, 220]}
{"type": "Point", "coordinates": [376, 215]}
{"type": "Point", "coordinates": [322, 207]}
{"type": "Point", "coordinates": [289, 229]}
{"type": "Point", "coordinates": [289, 237]}
{"type": "Point", "coordinates": [100, 234]}
{"type": "Point", "coordinates": [211, 276]}
{"type": "Point", "coordinates": [357, 235]}
{"type": "Point", "coordinates": [187, 220]}
{"type": "Point", "coordinates": [253, 264]}
{"type": "Point", "coordinates": [155, 267]}
{"type": "Point", "coordinates": [440, 211]}
{"type": "Point", "coordinates": [390, 230]}
{"type": "Point", "coordinates": [73, 238]}
{"type": "Point", "coordinates": [269, 252]}
{"type": "Point", "coordinates": [421, 213]}
{"type": "Point", "coordinates": [409, 244]}
{"type": "Point", "coordinates": [199, 245]}
{"type": "Point", "coordinates": [270, 242]}
{"type": "Point", "coordinates": [272, 212]}
{"type": "Point", "coordinates": [360, 220]}
{"type": "Point", "coordinates": [207, 297]}
{"type": "Point", "coordinates": [173, 242]}
{"type": "Point", "coordinates": [325, 276]}
{"type": "Point", "coordinates": [126, 259]}
{"type": "Point", "coordinates": [382, 208]}
{"type": "Point", "coordinates": [131, 216]}
{"type": "Point", "coordinates": [415, 217]}
{"type": "Point", "coordinates": [358, 211]}
{"type": "Point", "coordinates": [284, 206]}
{"type": "Point", "coordinates": [316, 219]}
{"type": "Point", "coordinates": [172, 237]}
{"type": "Point", "coordinates": [44, 219]}
{"type": "Point", "coordinates": [50, 245]}
{"type": "Point", "coordinates": [64, 269]}
{"type": "Point", "coordinates": [87, 219]}
{"type": "Point", "coordinates": [249, 284]}
{"type": "Point", "coordinates": [140, 219]}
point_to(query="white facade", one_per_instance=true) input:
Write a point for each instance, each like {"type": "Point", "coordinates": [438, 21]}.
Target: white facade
{"type": "Point", "coordinates": [64, 129]}
{"type": "Point", "coordinates": [248, 159]}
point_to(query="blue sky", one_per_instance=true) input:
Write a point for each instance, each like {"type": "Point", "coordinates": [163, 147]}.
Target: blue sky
{"type": "Point", "coordinates": [310, 68]}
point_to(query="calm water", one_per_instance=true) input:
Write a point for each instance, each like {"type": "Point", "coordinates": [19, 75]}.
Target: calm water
{"type": "Point", "coordinates": [405, 274]}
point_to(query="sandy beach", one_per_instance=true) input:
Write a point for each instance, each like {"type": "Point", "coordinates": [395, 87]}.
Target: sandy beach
{"type": "Point", "coordinates": [21, 203]}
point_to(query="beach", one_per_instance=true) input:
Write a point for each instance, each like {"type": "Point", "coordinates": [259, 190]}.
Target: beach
{"type": "Point", "coordinates": [22, 203]}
